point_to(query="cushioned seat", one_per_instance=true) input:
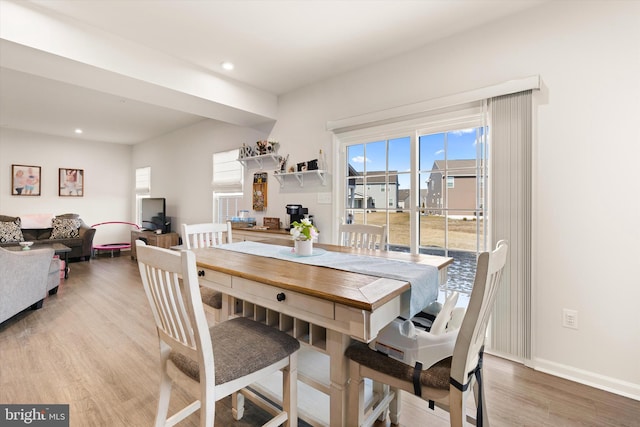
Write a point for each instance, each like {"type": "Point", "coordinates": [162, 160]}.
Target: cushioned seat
{"type": "Point", "coordinates": [211, 298]}
{"type": "Point", "coordinates": [240, 347]}
{"type": "Point", "coordinates": [437, 376]}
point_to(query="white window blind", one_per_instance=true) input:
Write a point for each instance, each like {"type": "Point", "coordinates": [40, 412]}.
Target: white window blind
{"type": "Point", "coordinates": [227, 172]}
{"type": "Point", "coordinates": [143, 181]}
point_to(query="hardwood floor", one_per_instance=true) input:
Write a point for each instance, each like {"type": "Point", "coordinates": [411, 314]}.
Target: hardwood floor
{"type": "Point", "coordinates": [94, 347]}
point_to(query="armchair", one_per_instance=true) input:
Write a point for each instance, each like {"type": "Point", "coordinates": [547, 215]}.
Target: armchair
{"type": "Point", "coordinates": [23, 280]}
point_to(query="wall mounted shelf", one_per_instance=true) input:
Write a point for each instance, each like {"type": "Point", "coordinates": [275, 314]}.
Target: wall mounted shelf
{"type": "Point", "coordinates": [275, 158]}
{"type": "Point", "coordinates": [299, 176]}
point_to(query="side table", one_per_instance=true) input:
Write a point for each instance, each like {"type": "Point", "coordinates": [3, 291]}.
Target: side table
{"type": "Point", "coordinates": [165, 240]}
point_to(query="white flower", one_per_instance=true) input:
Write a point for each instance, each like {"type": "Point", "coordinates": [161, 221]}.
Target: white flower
{"type": "Point", "coordinates": [303, 230]}
{"type": "Point", "coordinates": [295, 233]}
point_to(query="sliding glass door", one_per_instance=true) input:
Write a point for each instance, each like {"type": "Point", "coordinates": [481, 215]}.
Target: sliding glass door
{"type": "Point", "coordinates": [427, 186]}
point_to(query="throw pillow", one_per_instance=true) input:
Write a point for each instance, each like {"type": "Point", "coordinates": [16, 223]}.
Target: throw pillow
{"type": "Point", "coordinates": [10, 232]}
{"type": "Point", "coordinates": [5, 218]}
{"type": "Point", "coordinates": [65, 228]}
{"type": "Point", "coordinates": [68, 216]}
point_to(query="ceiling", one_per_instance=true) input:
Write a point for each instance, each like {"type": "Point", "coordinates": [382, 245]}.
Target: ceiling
{"type": "Point", "coordinates": [276, 46]}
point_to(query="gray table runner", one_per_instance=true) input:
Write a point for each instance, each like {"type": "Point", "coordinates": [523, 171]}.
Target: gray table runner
{"type": "Point", "coordinates": [423, 278]}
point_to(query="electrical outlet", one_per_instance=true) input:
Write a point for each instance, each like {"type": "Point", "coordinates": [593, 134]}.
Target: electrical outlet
{"type": "Point", "coordinates": [570, 318]}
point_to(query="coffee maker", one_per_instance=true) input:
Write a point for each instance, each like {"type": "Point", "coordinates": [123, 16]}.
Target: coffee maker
{"type": "Point", "coordinates": [296, 213]}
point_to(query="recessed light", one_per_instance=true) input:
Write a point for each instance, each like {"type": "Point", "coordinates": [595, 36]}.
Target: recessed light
{"type": "Point", "coordinates": [78, 131]}
{"type": "Point", "coordinates": [227, 65]}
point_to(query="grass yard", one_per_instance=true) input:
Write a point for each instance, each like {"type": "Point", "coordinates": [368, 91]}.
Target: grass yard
{"type": "Point", "coordinates": [461, 233]}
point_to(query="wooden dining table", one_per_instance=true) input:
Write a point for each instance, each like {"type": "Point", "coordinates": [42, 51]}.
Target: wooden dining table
{"type": "Point", "coordinates": [324, 308]}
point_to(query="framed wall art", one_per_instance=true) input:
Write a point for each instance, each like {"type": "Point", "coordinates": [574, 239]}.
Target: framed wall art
{"type": "Point", "coordinates": [25, 180]}
{"type": "Point", "coordinates": [70, 182]}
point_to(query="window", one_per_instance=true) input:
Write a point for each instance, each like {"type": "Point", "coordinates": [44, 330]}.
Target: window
{"type": "Point", "coordinates": [426, 184]}
{"type": "Point", "coordinates": [227, 184]}
{"type": "Point", "coordinates": [143, 190]}
{"type": "Point", "coordinates": [505, 198]}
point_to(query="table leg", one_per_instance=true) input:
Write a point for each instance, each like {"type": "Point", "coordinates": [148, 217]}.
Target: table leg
{"type": "Point", "coordinates": [337, 343]}
{"type": "Point", "coordinates": [66, 265]}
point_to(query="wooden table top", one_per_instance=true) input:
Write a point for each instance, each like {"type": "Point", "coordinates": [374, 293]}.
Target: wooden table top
{"type": "Point", "coordinates": [355, 290]}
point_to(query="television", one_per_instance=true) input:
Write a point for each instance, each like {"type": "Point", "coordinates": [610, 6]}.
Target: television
{"type": "Point", "coordinates": [154, 215]}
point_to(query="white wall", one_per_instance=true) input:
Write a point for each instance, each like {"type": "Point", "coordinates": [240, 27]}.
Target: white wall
{"type": "Point", "coordinates": [586, 151]}
{"type": "Point", "coordinates": [107, 174]}
{"type": "Point", "coordinates": [181, 166]}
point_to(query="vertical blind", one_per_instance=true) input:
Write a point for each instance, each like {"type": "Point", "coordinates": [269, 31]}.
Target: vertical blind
{"type": "Point", "coordinates": [511, 139]}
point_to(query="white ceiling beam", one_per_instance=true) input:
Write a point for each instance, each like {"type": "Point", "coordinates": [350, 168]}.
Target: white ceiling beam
{"type": "Point", "coordinates": [37, 42]}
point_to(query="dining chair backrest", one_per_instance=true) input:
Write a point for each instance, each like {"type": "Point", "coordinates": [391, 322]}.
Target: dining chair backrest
{"type": "Point", "coordinates": [363, 236]}
{"type": "Point", "coordinates": [206, 235]}
{"type": "Point", "coordinates": [172, 289]}
{"type": "Point", "coordinates": [471, 335]}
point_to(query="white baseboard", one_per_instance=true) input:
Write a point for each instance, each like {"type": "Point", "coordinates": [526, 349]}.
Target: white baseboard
{"type": "Point", "coordinates": [612, 385]}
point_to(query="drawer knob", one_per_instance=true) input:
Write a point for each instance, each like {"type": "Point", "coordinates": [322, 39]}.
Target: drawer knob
{"type": "Point", "coordinates": [200, 273]}
{"type": "Point", "coordinates": [281, 296]}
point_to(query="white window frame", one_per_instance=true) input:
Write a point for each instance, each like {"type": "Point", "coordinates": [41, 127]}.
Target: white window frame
{"type": "Point", "coordinates": [469, 116]}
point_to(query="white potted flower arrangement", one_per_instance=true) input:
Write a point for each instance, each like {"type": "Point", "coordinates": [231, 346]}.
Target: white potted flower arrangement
{"type": "Point", "coordinates": [303, 233]}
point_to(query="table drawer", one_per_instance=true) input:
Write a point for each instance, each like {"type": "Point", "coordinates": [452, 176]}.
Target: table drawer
{"type": "Point", "coordinates": [206, 275]}
{"type": "Point", "coordinates": [292, 300]}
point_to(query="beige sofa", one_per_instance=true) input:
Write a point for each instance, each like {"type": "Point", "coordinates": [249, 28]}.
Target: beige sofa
{"type": "Point", "coordinates": [25, 278]}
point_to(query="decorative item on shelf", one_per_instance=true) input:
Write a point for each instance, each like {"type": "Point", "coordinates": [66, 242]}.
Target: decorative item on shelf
{"type": "Point", "coordinates": [302, 167]}
{"type": "Point", "coordinates": [246, 151]}
{"type": "Point", "coordinates": [291, 169]}
{"type": "Point", "coordinates": [322, 161]}
{"type": "Point", "coordinates": [303, 233]}
{"type": "Point", "coordinates": [273, 146]}
{"type": "Point", "coordinates": [282, 165]}
{"type": "Point", "coordinates": [267, 147]}
{"type": "Point", "coordinates": [312, 165]}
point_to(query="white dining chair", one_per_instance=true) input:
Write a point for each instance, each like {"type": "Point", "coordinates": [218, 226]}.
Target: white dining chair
{"type": "Point", "coordinates": [207, 235]}
{"type": "Point", "coordinates": [363, 236]}
{"type": "Point", "coordinates": [217, 361]}
{"type": "Point", "coordinates": [446, 383]}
